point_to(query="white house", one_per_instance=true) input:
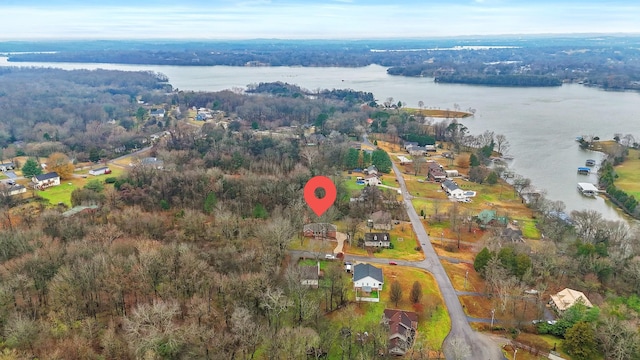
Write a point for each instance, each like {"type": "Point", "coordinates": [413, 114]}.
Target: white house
{"type": "Point", "coordinates": [367, 278]}
{"type": "Point", "coordinates": [46, 180]}
{"type": "Point", "coordinates": [377, 239]}
{"type": "Point", "coordinates": [7, 166]}
{"type": "Point", "coordinates": [100, 171]}
{"type": "Point", "coordinates": [372, 180]}
{"type": "Point", "coordinates": [452, 189]}
{"type": "Point", "coordinates": [10, 190]}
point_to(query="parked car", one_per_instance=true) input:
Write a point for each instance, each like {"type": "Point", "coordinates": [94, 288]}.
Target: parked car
{"type": "Point", "coordinates": [536, 322]}
{"type": "Point", "coordinates": [393, 263]}
{"type": "Point", "coordinates": [330, 257]}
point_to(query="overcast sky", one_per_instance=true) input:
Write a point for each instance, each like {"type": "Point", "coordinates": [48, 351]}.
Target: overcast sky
{"type": "Point", "coordinates": [305, 19]}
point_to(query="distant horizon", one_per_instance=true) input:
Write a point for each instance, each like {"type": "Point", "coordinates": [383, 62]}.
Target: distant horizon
{"type": "Point", "coordinates": [513, 36]}
{"type": "Point", "coordinates": [25, 20]}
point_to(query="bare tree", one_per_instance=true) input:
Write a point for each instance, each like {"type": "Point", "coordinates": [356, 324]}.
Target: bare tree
{"type": "Point", "coordinates": [416, 292]}
{"type": "Point", "coordinates": [458, 349]}
{"type": "Point", "coordinates": [418, 163]}
{"type": "Point", "coordinates": [395, 293]}
{"type": "Point", "coordinates": [502, 144]}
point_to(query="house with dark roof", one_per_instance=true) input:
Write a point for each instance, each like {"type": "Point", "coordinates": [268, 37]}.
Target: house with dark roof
{"type": "Point", "coordinates": [371, 170]}
{"type": "Point", "coordinates": [10, 190]}
{"type": "Point", "coordinates": [452, 189]}
{"type": "Point", "coordinates": [158, 113]}
{"type": "Point", "coordinates": [7, 166]}
{"type": "Point", "coordinates": [377, 239]}
{"type": "Point", "coordinates": [381, 220]}
{"type": "Point", "coordinates": [44, 181]}
{"type": "Point", "coordinates": [320, 230]}
{"type": "Point", "coordinates": [435, 172]}
{"type": "Point", "coordinates": [402, 327]}
{"type": "Point", "coordinates": [367, 279]}
{"type": "Point", "coordinates": [310, 275]}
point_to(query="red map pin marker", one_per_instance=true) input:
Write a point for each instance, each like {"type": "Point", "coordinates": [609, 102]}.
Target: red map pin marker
{"type": "Point", "coordinates": [319, 206]}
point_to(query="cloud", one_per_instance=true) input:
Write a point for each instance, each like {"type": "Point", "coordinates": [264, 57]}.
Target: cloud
{"type": "Point", "coordinates": [233, 19]}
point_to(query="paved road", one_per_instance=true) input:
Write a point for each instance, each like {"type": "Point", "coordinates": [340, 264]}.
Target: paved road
{"type": "Point", "coordinates": [481, 346]}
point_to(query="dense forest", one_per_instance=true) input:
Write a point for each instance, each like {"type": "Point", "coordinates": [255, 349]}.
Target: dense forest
{"type": "Point", "coordinates": [609, 62]}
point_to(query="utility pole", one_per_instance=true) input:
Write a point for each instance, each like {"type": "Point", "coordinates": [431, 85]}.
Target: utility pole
{"type": "Point", "coordinates": [493, 312]}
{"type": "Point", "coordinates": [466, 275]}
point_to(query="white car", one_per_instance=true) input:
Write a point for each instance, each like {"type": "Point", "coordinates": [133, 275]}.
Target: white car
{"type": "Point", "coordinates": [330, 257]}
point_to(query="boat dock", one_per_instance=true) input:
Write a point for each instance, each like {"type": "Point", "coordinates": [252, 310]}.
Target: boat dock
{"type": "Point", "coordinates": [588, 189]}
{"type": "Point", "coordinates": [584, 170]}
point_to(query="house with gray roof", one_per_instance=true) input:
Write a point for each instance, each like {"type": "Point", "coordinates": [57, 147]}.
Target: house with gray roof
{"type": "Point", "coordinates": [367, 279]}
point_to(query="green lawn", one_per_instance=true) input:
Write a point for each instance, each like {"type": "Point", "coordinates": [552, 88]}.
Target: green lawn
{"type": "Point", "coordinates": [433, 319]}
{"type": "Point", "coordinates": [628, 174]}
{"type": "Point", "coordinates": [62, 193]}
{"type": "Point", "coordinates": [59, 194]}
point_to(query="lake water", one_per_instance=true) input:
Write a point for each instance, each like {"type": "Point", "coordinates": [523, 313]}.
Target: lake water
{"type": "Point", "coordinates": [541, 124]}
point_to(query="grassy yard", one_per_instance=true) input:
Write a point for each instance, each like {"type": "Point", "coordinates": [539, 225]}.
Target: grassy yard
{"type": "Point", "coordinates": [404, 242]}
{"type": "Point", "coordinates": [457, 273]}
{"type": "Point", "coordinates": [628, 174]}
{"type": "Point", "coordinates": [434, 323]}
{"type": "Point", "coordinates": [62, 193]}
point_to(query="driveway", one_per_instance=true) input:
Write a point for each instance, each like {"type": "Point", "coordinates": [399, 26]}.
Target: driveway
{"type": "Point", "coordinates": [11, 175]}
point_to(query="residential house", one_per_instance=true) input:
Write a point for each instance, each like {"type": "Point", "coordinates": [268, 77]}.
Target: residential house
{"type": "Point", "coordinates": [7, 166]}
{"type": "Point", "coordinates": [10, 190]}
{"type": "Point", "coordinates": [417, 151]}
{"type": "Point", "coordinates": [381, 220]}
{"type": "Point", "coordinates": [452, 189]}
{"type": "Point", "coordinates": [371, 170]}
{"type": "Point", "coordinates": [435, 172]}
{"type": "Point", "coordinates": [152, 162]}
{"type": "Point", "coordinates": [452, 173]}
{"type": "Point", "coordinates": [372, 180]}
{"type": "Point", "coordinates": [512, 233]}
{"type": "Point", "coordinates": [402, 326]}
{"type": "Point", "coordinates": [404, 160]}
{"type": "Point", "coordinates": [490, 218]}
{"type": "Point", "coordinates": [44, 181]}
{"type": "Point", "coordinates": [567, 298]}
{"type": "Point", "coordinates": [310, 275]}
{"type": "Point", "coordinates": [376, 239]}
{"type": "Point", "coordinates": [321, 230]}
{"type": "Point", "coordinates": [409, 144]}
{"type": "Point", "coordinates": [157, 113]}
{"type": "Point", "coordinates": [366, 279]}
{"type": "Point", "coordinates": [100, 171]}
{"type": "Point", "coordinates": [355, 145]}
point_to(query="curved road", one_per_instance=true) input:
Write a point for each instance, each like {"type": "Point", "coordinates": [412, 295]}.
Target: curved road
{"type": "Point", "coordinates": [482, 348]}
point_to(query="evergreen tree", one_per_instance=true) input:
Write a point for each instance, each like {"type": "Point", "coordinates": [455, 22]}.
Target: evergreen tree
{"type": "Point", "coordinates": [31, 168]}
{"type": "Point", "coordinates": [381, 160]}
{"type": "Point", "coordinates": [210, 202]}
{"type": "Point", "coordinates": [482, 259]}
{"type": "Point", "coordinates": [492, 178]}
{"type": "Point", "coordinates": [580, 342]}
{"type": "Point", "coordinates": [474, 161]}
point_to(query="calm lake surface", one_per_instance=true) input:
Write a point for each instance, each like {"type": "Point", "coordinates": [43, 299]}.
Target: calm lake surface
{"type": "Point", "coordinates": [541, 124]}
